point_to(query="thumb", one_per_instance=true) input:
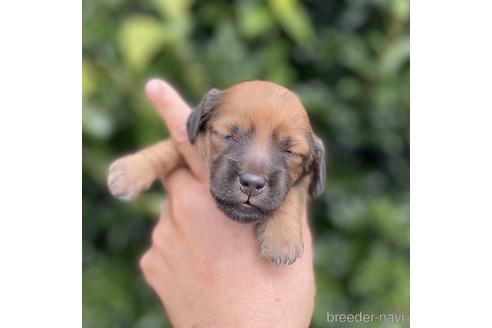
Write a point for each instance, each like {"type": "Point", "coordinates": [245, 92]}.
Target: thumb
{"type": "Point", "coordinates": [174, 112]}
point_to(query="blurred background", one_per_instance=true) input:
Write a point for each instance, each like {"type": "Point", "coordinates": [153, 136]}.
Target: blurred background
{"type": "Point", "coordinates": [349, 63]}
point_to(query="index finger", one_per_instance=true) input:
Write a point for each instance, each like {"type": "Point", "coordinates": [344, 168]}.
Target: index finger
{"type": "Point", "coordinates": [174, 112]}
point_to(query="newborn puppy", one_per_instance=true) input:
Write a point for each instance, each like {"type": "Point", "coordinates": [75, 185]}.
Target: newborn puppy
{"type": "Point", "coordinates": [262, 158]}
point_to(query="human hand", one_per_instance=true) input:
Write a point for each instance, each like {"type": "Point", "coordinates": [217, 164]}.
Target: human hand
{"type": "Point", "coordinates": [206, 268]}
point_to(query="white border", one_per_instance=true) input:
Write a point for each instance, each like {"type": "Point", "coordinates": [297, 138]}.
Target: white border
{"type": "Point", "coordinates": [40, 164]}
{"type": "Point", "coordinates": [451, 163]}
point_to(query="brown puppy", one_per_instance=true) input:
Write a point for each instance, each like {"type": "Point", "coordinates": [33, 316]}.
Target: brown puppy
{"type": "Point", "coordinates": [261, 155]}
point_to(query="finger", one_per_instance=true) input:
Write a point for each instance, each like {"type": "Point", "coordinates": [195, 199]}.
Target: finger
{"type": "Point", "coordinates": [162, 234]}
{"type": "Point", "coordinates": [152, 267]}
{"type": "Point", "coordinates": [174, 111]}
{"type": "Point", "coordinates": [159, 236]}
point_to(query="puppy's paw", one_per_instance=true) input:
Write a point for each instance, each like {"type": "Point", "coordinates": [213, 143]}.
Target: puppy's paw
{"type": "Point", "coordinates": [282, 248]}
{"type": "Point", "coordinates": [129, 176]}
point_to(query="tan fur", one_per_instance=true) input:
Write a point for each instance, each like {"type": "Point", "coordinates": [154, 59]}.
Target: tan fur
{"type": "Point", "coordinates": [270, 108]}
{"type": "Point", "coordinates": [280, 236]}
{"type": "Point", "coordinates": [133, 174]}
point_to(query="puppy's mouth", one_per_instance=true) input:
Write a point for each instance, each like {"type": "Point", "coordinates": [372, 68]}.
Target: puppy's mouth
{"type": "Point", "coordinates": [244, 212]}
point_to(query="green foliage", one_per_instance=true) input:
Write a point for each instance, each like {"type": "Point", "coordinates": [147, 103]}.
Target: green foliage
{"type": "Point", "coordinates": [349, 63]}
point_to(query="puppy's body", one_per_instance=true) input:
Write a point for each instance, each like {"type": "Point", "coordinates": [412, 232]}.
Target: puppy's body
{"type": "Point", "coordinates": [261, 155]}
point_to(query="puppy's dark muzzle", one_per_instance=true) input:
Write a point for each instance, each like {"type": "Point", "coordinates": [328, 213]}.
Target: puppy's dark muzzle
{"type": "Point", "coordinates": [252, 184]}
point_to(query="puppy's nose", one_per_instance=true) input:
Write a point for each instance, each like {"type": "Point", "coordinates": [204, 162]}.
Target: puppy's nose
{"type": "Point", "coordinates": [252, 184]}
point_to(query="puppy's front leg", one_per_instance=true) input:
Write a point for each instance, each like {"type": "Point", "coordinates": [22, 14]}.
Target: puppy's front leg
{"type": "Point", "coordinates": [280, 237]}
{"type": "Point", "coordinates": [134, 173]}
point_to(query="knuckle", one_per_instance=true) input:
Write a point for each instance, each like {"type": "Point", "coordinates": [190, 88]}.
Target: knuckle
{"type": "Point", "coordinates": [160, 236]}
{"type": "Point", "coordinates": [145, 262]}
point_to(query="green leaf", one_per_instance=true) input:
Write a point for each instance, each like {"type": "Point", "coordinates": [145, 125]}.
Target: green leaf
{"type": "Point", "coordinates": [254, 19]}
{"type": "Point", "coordinates": [394, 57]}
{"type": "Point", "coordinates": [140, 38]}
{"type": "Point", "coordinates": [88, 79]}
{"type": "Point", "coordinates": [173, 9]}
{"type": "Point", "coordinates": [400, 9]}
{"type": "Point", "coordinates": [294, 20]}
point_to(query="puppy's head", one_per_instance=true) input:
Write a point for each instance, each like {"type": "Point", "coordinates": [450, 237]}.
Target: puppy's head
{"type": "Point", "coordinates": [257, 143]}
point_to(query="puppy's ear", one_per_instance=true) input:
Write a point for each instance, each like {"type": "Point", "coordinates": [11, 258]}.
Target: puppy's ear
{"type": "Point", "coordinates": [198, 118]}
{"type": "Point", "coordinates": [317, 168]}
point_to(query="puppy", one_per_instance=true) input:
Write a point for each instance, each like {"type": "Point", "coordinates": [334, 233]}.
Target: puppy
{"type": "Point", "coordinates": [262, 158]}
